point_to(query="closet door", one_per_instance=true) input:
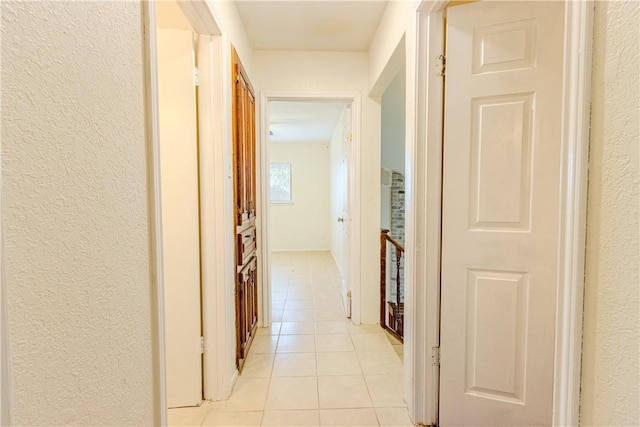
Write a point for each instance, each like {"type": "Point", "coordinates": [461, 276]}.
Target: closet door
{"type": "Point", "coordinates": [501, 183]}
{"type": "Point", "coordinates": [180, 216]}
{"type": "Point", "coordinates": [245, 210]}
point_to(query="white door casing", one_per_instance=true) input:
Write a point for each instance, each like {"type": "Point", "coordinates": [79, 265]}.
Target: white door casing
{"type": "Point", "coordinates": [180, 216]}
{"type": "Point", "coordinates": [345, 179]}
{"type": "Point", "coordinates": [501, 208]}
{"type": "Point", "coordinates": [353, 198]}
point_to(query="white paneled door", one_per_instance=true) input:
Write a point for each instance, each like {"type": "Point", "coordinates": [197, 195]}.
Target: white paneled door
{"type": "Point", "coordinates": [500, 212]}
{"type": "Point", "coordinates": [180, 216]}
{"type": "Point", "coordinates": [345, 185]}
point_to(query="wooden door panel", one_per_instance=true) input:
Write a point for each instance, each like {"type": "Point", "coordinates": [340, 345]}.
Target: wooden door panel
{"type": "Point", "coordinates": [245, 211]}
{"type": "Point", "coordinates": [247, 315]}
{"type": "Point", "coordinates": [245, 242]}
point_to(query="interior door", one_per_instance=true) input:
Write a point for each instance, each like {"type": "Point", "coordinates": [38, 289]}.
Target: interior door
{"type": "Point", "coordinates": [345, 180]}
{"type": "Point", "coordinates": [500, 212]}
{"type": "Point", "coordinates": [244, 159]}
{"type": "Point", "coordinates": [180, 216]}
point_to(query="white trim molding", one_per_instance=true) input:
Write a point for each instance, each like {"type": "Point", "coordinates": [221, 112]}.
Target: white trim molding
{"type": "Point", "coordinates": [424, 214]}
{"type": "Point", "coordinates": [200, 16]}
{"type": "Point", "coordinates": [262, 217]}
{"type": "Point", "coordinates": [215, 225]}
{"type": "Point", "coordinates": [576, 106]}
{"type": "Point", "coordinates": [354, 155]}
{"type": "Point", "coordinates": [155, 212]}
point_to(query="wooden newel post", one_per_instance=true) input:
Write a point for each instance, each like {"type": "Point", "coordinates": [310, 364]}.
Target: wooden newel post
{"type": "Point", "coordinates": [398, 278]}
{"type": "Point", "coordinates": [383, 276]}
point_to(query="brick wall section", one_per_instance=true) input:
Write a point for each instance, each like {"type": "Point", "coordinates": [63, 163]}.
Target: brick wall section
{"type": "Point", "coordinates": [397, 229]}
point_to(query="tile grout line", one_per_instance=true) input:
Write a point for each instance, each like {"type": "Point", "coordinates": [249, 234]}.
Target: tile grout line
{"type": "Point", "coordinates": [315, 343]}
{"type": "Point", "coordinates": [364, 378]}
{"type": "Point", "coordinates": [312, 282]}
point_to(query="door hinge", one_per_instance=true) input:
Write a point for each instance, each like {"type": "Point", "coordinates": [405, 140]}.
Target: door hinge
{"type": "Point", "coordinates": [441, 65]}
{"type": "Point", "coordinates": [196, 76]}
{"type": "Point", "coordinates": [349, 137]}
{"type": "Point", "coordinates": [435, 356]}
{"type": "Point", "coordinates": [202, 345]}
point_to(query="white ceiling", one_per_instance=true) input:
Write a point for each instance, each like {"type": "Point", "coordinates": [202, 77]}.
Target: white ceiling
{"type": "Point", "coordinates": [320, 25]}
{"type": "Point", "coordinates": [303, 121]}
{"type": "Point", "coordinates": [310, 25]}
{"type": "Point", "coordinates": [343, 26]}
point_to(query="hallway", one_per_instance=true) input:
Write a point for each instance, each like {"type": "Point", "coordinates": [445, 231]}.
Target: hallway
{"type": "Point", "coordinates": [312, 367]}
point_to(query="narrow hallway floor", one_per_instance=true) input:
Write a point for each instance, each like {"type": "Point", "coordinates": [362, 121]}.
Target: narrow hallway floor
{"type": "Point", "coordinates": [312, 367]}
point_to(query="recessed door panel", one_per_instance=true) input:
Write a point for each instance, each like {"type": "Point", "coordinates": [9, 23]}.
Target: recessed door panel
{"type": "Point", "coordinates": [496, 319]}
{"type": "Point", "coordinates": [501, 162]}
{"type": "Point", "coordinates": [505, 46]}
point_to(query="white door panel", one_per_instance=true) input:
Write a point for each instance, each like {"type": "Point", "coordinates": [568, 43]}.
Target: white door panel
{"type": "Point", "coordinates": [500, 212]}
{"type": "Point", "coordinates": [180, 216]}
{"type": "Point", "coordinates": [346, 184]}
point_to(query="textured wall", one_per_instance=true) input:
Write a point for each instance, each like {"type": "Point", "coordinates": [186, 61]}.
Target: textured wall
{"type": "Point", "coordinates": [75, 212]}
{"type": "Point", "coordinates": [610, 368]}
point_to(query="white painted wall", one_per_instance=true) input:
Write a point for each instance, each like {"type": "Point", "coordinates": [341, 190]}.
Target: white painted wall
{"type": "Point", "coordinates": [393, 123]}
{"type": "Point", "coordinates": [611, 346]}
{"type": "Point", "coordinates": [75, 213]}
{"type": "Point", "coordinates": [335, 72]}
{"type": "Point", "coordinates": [303, 224]}
{"type": "Point", "coordinates": [338, 186]}
{"type": "Point", "coordinates": [385, 59]}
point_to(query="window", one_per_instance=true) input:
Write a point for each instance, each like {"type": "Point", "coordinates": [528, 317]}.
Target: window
{"type": "Point", "coordinates": [280, 182]}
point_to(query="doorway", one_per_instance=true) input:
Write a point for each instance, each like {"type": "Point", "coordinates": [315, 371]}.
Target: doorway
{"type": "Point", "coordinates": [308, 190]}
{"type": "Point", "coordinates": [203, 182]}
{"type": "Point", "coordinates": [177, 105]}
{"type": "Point", "coordinates": [332, 227]}
{"type": "Point", "coordinates": [473, 200]}
{"type": "Point", "coordinates": [393, 208]}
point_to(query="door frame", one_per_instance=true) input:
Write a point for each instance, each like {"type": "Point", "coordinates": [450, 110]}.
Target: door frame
{"type": "Point", "coordinates": [425, 214]}
{"type": "Point", "coordinates": [213, 100]}
{"type": "Point", "coordinates": [263, 223]}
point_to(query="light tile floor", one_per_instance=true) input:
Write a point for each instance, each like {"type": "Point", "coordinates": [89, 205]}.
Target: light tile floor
{"type": "Point", "coordinates": [312, 367]}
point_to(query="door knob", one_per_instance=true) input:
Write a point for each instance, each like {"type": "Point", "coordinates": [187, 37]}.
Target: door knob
{"type": "Point", "coordinates": [340, 219]}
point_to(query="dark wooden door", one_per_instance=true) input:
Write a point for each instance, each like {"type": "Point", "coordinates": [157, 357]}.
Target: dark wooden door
{"type": "Point", "coordinates": [244, 158]}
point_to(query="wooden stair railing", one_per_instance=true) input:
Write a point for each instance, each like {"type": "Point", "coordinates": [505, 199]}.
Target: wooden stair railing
{"type": "Point", "coordinates": [393, 320]}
